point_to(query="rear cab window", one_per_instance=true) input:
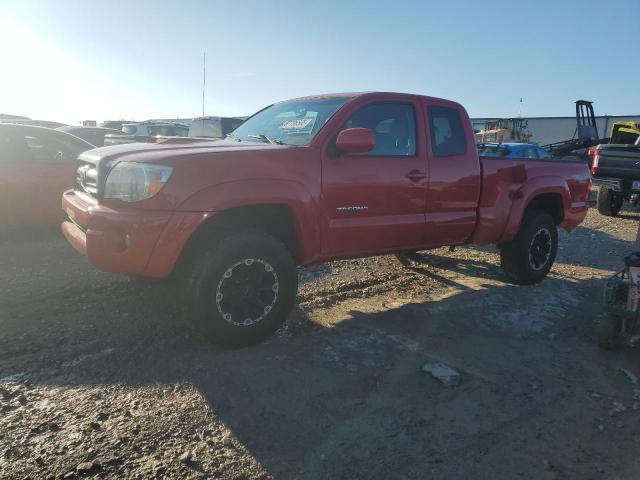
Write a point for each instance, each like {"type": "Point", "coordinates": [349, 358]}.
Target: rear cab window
{"type": "Point", "coordinates": [447, 132]}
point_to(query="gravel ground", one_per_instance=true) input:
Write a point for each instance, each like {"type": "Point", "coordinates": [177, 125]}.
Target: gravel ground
{"type": "Point", "coordinates": [100, 377]}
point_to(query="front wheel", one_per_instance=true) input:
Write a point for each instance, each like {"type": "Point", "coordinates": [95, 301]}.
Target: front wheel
{"type": "Point", "coordinates": [241, 290]}
{"type": "Point", "coordinates": [528, 258]}
{"type": "Point", "coordinates": [609, 202]}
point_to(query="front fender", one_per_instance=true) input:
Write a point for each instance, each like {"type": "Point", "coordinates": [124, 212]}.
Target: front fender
{"type": "Point", "coordinates": [527, 193]}
{"type": "Point", "coordinates": [241, 193]}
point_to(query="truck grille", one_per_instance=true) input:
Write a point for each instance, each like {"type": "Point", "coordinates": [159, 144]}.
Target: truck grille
{"type": "Point", "coordinates": [87, 178]}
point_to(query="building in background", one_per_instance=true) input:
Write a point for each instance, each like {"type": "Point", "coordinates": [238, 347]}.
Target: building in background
{"type": "Point", "coordinates": [545, 130]}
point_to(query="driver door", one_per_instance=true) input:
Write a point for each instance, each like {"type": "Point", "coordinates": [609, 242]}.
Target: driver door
{"type": "Point", "coordinates": [375, 201]}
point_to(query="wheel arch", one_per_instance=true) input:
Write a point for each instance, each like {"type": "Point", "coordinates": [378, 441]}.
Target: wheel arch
{"type": "Point", "coordinates": [548, 202]}
{"type": "Point", "coordinates": [275, 219]}
{"type": "Point", "coordinates": [549, 194]}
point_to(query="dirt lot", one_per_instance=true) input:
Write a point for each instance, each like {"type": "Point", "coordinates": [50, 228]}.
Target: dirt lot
{"type": "Point", "coordinates": [100, 377]}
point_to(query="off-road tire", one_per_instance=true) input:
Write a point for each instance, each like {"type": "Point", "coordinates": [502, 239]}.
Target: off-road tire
{"type": "Point", "coordinates": [528, 258]}
{"type": "Point", "coordinates": [234, 316]}
{"type": "Point", "coordinates": [608, 331]}
{"type": "Point", "coordinates": [609, 202]}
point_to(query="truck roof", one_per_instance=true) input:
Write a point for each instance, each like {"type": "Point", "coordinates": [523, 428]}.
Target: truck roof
{"type": "Point", "coordinates": [352, 95]}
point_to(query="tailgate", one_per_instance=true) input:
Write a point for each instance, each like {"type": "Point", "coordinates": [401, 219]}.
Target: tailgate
{"type": "Point", "coordinates": [618, 161]}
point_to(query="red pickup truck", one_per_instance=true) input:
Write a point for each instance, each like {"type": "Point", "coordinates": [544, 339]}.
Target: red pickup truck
{"type": "Point", "coordinates": [308, 180]}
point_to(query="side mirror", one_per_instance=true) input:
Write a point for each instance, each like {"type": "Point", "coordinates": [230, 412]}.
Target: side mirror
{"type": "Point", "coordinates": [355, 140]}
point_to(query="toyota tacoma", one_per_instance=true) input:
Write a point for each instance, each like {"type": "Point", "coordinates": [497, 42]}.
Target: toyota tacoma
{"type": "Point", "coordinates": [310, 180]}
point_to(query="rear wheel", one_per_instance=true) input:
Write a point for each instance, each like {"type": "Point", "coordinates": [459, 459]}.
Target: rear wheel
{"type": "Point", "coordinates": [241, 291]}
{"type": "Point", "coordinates": [528, 258]}
{"type": "Point", "coordinates": [609, 202]}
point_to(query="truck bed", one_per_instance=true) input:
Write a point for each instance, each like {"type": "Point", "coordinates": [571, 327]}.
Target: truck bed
{"type": "Point", "coordinates": [509, 183]}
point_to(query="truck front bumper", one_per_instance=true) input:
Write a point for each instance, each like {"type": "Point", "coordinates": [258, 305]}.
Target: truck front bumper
{"type": "Point", "coordinates": [132, 241]}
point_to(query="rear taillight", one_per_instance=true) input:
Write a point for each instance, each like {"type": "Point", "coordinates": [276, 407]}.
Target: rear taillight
{"type": "Point", "coordinates": [587, 192]}
{"type": "Point", "coordinates": [594, 153]}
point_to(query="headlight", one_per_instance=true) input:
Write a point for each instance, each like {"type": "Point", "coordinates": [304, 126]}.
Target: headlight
{"type": "Point", "coordinates": [133, 182]}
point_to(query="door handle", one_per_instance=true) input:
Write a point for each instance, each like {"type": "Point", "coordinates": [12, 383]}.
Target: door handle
{"type": "Point", "coordinates": [415, 175]}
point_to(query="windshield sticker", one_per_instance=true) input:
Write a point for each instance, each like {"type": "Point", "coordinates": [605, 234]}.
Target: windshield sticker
{"type": "Point", "coordinates": [297, 124]}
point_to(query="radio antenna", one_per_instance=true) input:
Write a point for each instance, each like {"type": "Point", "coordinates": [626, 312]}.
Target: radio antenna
{"type": "Point", "coordinates": [520, 108]}
{"type": "Point", "coordinates": [204, 81]}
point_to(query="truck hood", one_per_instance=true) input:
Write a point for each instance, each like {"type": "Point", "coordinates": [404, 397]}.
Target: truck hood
{"type": "Point", "coordinates": [93, 165]}
{"type": "Point", "coordinates": [172, 148]}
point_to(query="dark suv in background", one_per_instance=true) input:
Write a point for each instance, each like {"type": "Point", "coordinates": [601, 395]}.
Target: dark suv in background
{"type": "Point", "coordinates": [214, 127]}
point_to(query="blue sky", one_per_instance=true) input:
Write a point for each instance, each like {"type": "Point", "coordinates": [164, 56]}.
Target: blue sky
{"type": "Point", "coordinates": [74, 60]}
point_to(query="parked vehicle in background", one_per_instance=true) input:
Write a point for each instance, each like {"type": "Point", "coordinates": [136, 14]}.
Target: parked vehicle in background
{"type": "Point", "coordinates": [35, 123]}
{"type": "Point", "coordinates": [512, 150]}
{"type": "Point", "coordinates": [36, 165]}
{"type": "Point", "coordinates": [115, 124]}
{"type": "Point", "coordinates": [213, 127]}
{"type": "Point", "coordinates": [5, 117]}
{"type": "Point", "coordinates": [615, 168]}
{"type": "Point", "coordinates": [504, 130]}
{"type": "Point", "coordinates": [93, 135]}
{"type": "Point", "coordinates": [310, 180]}
{"type": "Point", "coordinates": [625, 132]}
{"type": "Point", "coordinates": [154, 129]}
{"type": "Point", "coordinates": [146, 132]}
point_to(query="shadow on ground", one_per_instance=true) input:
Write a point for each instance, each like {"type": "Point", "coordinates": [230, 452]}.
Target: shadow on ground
{"type": "Point", "coordinates": [351, 401]}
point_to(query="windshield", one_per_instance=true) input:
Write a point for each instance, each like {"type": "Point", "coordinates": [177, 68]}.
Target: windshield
{"type": "Point", "coordinates": [291, 123]}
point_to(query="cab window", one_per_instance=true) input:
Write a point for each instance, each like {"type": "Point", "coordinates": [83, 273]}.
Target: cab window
{"type": "Point", "coordinates": [393, 126]}
{"type": "Point", "coordinates": [447, 132]}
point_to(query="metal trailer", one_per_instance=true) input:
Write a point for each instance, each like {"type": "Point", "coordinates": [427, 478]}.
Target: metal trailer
{"type": "Point", "coordinates": [585, 136]}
